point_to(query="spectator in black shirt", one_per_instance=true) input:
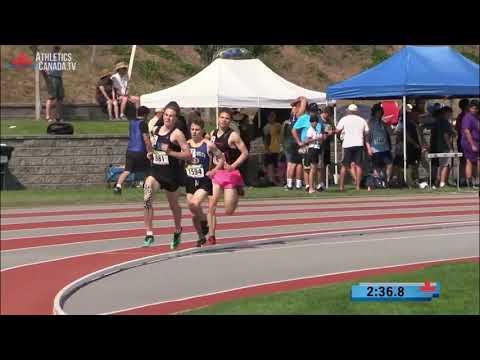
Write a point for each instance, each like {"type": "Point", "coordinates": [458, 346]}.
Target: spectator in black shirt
{"type": "Point", "coordinates": [105, 95]}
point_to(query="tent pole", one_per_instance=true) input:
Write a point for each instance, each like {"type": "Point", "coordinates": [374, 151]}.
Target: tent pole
{"type": "Point", "coordinates": [335, 178]}
{"type": "Point", "coordinates": [405, 139]}
{"type": "Point", "coordinates": [259, 120]}
{"type": "Point", "coordinates": [38, 104]}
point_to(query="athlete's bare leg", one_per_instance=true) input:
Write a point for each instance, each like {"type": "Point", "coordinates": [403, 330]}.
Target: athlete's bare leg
{"type": "Point", "coordinates": [231, 200]}
{"type": "Point", "coordinates": [194, 202]}
{"type": "Point", "coordinates": [212, 209]}
{"type": "Point", "coordinates": [172, 197]}
{"type": "Point", "coordinates": [151, 185]}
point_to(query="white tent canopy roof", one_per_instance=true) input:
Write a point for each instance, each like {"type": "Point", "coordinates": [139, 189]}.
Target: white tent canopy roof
{"type": "Point", "coordinates": [245, 83]}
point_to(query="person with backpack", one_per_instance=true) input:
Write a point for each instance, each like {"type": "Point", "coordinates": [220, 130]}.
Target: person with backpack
{"type": "Point", "coordinates": [138, 146]}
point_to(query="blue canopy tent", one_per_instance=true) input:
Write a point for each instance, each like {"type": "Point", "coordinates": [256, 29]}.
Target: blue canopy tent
{"type": "Point", "coordinates": [414, 71]}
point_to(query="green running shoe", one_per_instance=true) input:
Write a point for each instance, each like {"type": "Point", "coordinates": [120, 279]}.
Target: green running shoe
{"type": "Point", "coordinates": [149, 239]}
{"type": "Point", "coordinates": [176, 240]}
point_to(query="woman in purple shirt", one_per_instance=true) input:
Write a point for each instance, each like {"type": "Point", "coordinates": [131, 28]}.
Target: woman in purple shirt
{"type": "Point", "coordinates": [470, 140]}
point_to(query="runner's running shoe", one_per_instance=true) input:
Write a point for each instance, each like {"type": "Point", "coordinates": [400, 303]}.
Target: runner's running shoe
{"type": "Point", "coordinates": [212, 240]}
{"type": "Point", "coordinates": [176, 240]}
{"type": "Point", "coordinates": [148, 240]}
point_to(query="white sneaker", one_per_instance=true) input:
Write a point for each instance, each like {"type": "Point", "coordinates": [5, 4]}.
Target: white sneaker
{"type": "Point", "coordinates": [423, 185]}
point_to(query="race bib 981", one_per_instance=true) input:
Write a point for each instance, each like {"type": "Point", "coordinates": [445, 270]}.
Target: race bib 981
{"type": "Point", "coordinates": [160, 158]}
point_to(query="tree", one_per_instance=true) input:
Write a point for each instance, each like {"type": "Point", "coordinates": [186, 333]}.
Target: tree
{"type": "Point", "coordinates": [207, 52]}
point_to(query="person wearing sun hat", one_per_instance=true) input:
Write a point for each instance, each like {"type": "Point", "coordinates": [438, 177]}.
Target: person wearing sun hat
{"type": "Point", "coordinates": [120, 83]}
{"type": "Point", "coordinates": [105, 94]}
{"type": "Point", "coordinates": [356, 129]}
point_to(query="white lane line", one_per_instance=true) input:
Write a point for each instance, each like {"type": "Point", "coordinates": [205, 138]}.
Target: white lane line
{"type": "Point", "coordinates": [351, 222]}
{"type": "Point", "coordinates": [288, 247]}
{"type": "Point", "coordinates": [400, 227]}
{"type": "Point", "coordinates": [58, 231]}
{"type": "Point", "coordinates": [55, 211]}
{"type": "Point", "coordinates": [288, 280]}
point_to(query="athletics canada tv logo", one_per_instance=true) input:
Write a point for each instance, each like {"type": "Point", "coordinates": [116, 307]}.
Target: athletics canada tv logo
{"type": "Point", "coordinates": [48, 62]}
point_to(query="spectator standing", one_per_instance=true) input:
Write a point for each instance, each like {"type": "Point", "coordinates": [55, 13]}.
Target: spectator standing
{"type": "Point", "coordinates": [441, 142]}
{"type": "Point", "coordinates": [271, 142]}
{"type": "Point", "coordinates": [299, 133]}
{"type": "Point", "coordinates": [464, 106]}
{"type": "Point", "coordinates": [325, 118]}
{"type": "Point", "coordinates": [470, 142]}
{"type": "Point", "coordinates": [247, 134]}
{"type": "Point", "coordinates": [56, 92]}
{"type": "Point", "coordinates": [356, 129]}
{"type": "Point", "coordinates": [290, 146]}
{"type": "Point", "coordinates": [105, 95]}
{"type": "Point", "coordinates": [379, 141]}
{"type": "Point", "coordinates": [313, 139]}
{"type": "Point", "coordinates": [415, 147]}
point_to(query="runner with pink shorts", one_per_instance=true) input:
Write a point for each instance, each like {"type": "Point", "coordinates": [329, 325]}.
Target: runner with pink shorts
{"type": "Point", "coordinates": [228, 180]}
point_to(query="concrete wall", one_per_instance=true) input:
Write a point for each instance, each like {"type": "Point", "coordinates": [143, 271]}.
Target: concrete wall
{"type": "Point", "coordinates": [64, 160]}
{"type": "Point", "coordinates": [55, 161]}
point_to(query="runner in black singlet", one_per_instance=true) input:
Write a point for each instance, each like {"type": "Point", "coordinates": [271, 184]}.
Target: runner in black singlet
{"type": "Point", "coordinates": [169, 147]}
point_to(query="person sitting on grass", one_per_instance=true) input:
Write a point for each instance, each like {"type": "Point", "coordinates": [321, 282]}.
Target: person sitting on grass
{"type": "Point", "coordinates": [138, 146]}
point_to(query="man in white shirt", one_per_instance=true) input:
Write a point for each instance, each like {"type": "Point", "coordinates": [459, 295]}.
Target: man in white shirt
{"type": "Point", "coordinates": [120, 84]}
{"type": "Point", "coordinates": [355, 128]}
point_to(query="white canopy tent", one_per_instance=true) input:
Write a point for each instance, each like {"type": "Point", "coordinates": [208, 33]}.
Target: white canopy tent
{"type": "Point", "coordinates": [246, 83]}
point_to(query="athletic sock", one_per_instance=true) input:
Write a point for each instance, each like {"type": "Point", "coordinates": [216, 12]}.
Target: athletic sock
{"type": "Point", "coordinates": [289, 182]}
{"type": "Point", "coordinates": [149, 233]}
{"type": "Point", "coordinates": [118, 186]}
{"type": "Point", "coordinates": [299, 183]}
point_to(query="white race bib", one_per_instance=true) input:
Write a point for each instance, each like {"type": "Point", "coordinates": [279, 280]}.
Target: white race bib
{"type": "Point", "coordinates": [195, 171]}
{"type": "Point", "coordinates": [160, 158]}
